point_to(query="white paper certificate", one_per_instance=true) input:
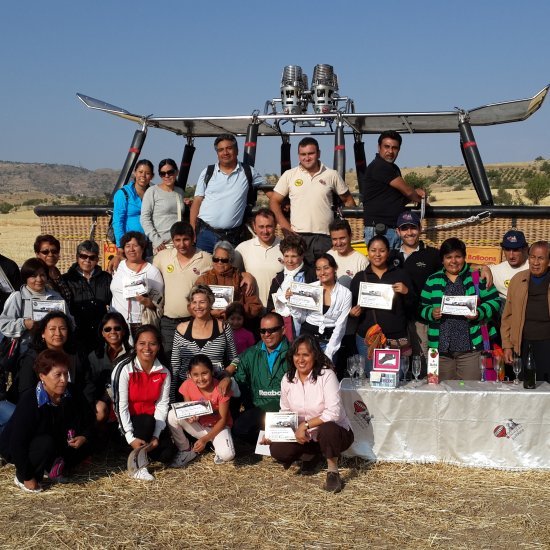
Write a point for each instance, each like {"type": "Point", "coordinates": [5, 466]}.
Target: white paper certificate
{"type": "Point", "coordinates": [280, 426]}
{"type": "Point", "coordinates": [459, 305]}
{"type": "Point", "coordinates": [188, 409]}
{"type": "Point", "coordinates": [134, 285]}
{"type": "Point", "coordinates": [223, 296]}
{"type": "Point", "coordinates": [375, 295]}
{"type": "Point", "coordinates": [41, 308]}
{"type": "Point", "coordinates": [306, 296]}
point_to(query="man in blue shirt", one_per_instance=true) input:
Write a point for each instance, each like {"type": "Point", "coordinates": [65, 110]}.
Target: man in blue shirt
{"type": "Point", "coordinates": [220, 202]}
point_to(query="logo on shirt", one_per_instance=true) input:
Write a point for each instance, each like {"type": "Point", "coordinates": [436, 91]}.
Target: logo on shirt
{"type": "Point", "coordinates": [506, 283]}
{"type": "Point", "coordinates": [280, 260]}
{"type": "Point", "coordinates": [420, 264]}
{"type": "Point", "coordinates": [196, 271]}
{"type": "Point", "coordinates": [322, 182]}
{"type": "Point", "coordinates": [298, 183]}
{"type": "Point", "coordinates": [350, 273]}
{"type": "Point", "coordinates": [170, 268]}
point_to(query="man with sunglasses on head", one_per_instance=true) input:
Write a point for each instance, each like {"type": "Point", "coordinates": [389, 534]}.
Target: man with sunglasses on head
{"type": "Point", "coordinates": [223, 192]}
{"type": "Point", "coordinates": [259, 373]}
{"type": "Point", "coordinates": [90, 295]}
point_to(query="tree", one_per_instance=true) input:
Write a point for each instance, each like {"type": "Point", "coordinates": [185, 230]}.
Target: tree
{"type": "Point", "coordinates": [537, 188]}
{"type": "Point", "coordinates": [419, 182]}
{"type": "Point", "coordinates": [504, 197]}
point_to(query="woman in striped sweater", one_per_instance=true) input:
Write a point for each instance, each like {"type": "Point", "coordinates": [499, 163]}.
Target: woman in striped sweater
{"type": "Point", "coordinates": [458, 337]}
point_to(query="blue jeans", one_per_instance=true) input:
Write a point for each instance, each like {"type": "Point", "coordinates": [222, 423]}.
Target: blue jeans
{"type": "Point", "coordinates": [391, 234]}
{"type": "Point", "coordinates": [363, 350]}
{"type": "Point", "coordinates": [206, 240]}
{"type": "Point", "coordinates": [6, 410]}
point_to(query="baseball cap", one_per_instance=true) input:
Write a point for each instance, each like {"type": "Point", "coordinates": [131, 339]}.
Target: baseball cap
{"type": "Point", "coordinates": [513, 239]}
{"type": "Point", "coordinates": [408, 218]}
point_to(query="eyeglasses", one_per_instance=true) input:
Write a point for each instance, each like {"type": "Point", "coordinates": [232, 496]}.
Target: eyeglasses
{"type": "Point", "coordinates": [48, 251]}
{"type": "Point", "coordinates": [270, 330]}
{"type": "Point", "coordinates": [116, 328]}
{"type": "Point", "coordinates": [167, 174]}
{"type": "Point", "coordinates": [91, 257]}
{"type": "Point", "coordinates": [222, 260]}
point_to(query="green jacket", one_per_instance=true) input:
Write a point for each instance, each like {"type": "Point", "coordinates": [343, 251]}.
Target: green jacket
{"type": "Point", "coordinates": [259, 387]}
{"type": "Point", "coordinates": [432, 294]}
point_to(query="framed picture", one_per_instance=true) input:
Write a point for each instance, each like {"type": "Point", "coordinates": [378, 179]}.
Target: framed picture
{"type": "Point", "coordinates": [387, 360]}
{"type": "Point", "coordinates": [459, 305]}
{"type": "Point", "coordinates": [306, 296]}
{"type": "Point", "coordinates": [375, 295]}
{"type": "Point", "coordinates": [223, 296]}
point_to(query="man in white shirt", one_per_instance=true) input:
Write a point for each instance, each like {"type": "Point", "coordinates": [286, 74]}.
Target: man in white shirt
{"type": "Point", "coordinates": [349, 260]}
{"type": "Point", "coordinates": [261, 255]}
{"type": "Point", "coordinates": [515, 250]}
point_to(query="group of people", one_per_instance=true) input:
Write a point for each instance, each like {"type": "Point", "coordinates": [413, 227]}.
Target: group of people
{"type": "Point", "coordinates": [96, 349]}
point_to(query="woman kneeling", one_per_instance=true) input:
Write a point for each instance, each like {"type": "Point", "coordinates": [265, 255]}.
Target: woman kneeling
{"type": "Point", "coordinates": [311, 390]}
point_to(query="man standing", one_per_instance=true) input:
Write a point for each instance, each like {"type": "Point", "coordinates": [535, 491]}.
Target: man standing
{"type": "Point", "coordinates": [10, 278]}
{"type": "Point", "coordinates": [420, 261]}
{"type": "Point", "coordinates": [310, 187]}
{"type": "Point", "coordinates": [515, 249]}
{"type": "Point", "coordinates": [261, 255]}
{"type": "Point", "coordinates": [223, 191]}
{"type": "Point", "coordinates": [385, 192]}
{"type": "Point", "coordinates": [259, 373]}
{"type": "Point", "coordinates": [180, 267]}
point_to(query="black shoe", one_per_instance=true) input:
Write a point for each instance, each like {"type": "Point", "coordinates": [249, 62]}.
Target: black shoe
{"type": "Point", "coordinates": [309, 466]}
{"type": "Point", "coordinates": [333, 483]}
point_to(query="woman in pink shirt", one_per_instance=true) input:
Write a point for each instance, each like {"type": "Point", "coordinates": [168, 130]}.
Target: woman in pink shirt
{"type": "Point", "coordinates": [311, 390]}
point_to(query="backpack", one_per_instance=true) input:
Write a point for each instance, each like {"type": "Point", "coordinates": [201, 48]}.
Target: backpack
{"type": "Point", "coordinates": [110, 234]}
{"type": "Point", "coordinates": [252, 194]}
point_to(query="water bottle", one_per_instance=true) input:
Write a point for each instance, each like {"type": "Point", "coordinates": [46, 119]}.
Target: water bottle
{"type": "Point", "coordinates": [529, 371]}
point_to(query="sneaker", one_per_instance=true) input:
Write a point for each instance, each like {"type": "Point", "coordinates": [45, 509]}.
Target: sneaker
{"type": "Point", "coordinates": [26, 489]}
{"type": "Point", "coordinates": [143, 474]}
{"type": "Point", "coordinates": [333, 483]}
{"type": "Point", "coordinates": [219, 460]}
{"type": "Point", "coordinates": [56, 471]}
{"type": "Point", "coordinates": [182, 458]}
{"type": "Point", "coordinates": [137, 459]}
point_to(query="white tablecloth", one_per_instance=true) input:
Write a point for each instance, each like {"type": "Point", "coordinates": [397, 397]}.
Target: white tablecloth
{"type": "Point", "coordinates": [458, 422]}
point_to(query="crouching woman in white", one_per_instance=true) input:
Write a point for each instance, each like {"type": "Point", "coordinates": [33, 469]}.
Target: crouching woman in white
{"type": "Point", "coordinates": [215, 428]}
{"type": "Point", "coordinates": [141, 389]}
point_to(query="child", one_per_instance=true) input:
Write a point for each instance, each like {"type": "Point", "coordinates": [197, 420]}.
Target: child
{"type": "Point", "coordinates": [216, 428]}
{"type": "Point", "coordinates": [244, 339]}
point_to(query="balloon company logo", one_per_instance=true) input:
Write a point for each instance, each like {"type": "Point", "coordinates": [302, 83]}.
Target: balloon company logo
{"type": "Point", "coordinates": [196, 271]}
{"type": "Point", "coordinates": [508, 429]}
{"type": "Point", "coordinates": [361, 412]}
{"type": "Point", "coordinates": [298, 183]}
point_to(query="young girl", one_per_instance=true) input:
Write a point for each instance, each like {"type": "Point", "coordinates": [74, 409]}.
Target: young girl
{"type": "Point", "coordinates": [216, 428]}
{"type": "Point", "coordinates": [244, 339]}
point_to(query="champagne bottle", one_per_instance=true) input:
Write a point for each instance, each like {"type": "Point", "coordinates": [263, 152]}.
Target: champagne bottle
{"type": "Point", "coordinates": [529, 371]}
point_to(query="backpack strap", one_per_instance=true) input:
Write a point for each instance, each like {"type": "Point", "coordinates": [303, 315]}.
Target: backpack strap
{"type": "Point", "coordinates": [208, 174]}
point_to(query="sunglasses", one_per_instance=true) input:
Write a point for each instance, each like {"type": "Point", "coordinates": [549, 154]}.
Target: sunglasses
{"type": "Point", "coordinates": [167, 173]}
{"type": "Point", "coordinates": [91, 257]}
{"type": "Point", "coordinates": [222, 260]}
{"type": "Point", "coordinates": [48, 251]}
{"type": "Point", "coordinates": [270, 330]}
{"type": "Point", "coordinates": [116, 328]}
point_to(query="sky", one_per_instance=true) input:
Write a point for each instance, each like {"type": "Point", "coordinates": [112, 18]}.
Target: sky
{"type": "Point", "coordinates": [183, 58]}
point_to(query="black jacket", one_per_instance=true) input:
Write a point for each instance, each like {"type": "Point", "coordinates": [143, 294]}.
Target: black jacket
{"type": "Point", "coordinates": [14, 277]}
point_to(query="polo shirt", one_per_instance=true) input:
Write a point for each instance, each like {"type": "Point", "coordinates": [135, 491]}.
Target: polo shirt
{"type": "Point", "coordinates": [271, 355]}
{"type": "Point", "coordinates": [349, 265]}
{"type": "Point", "coordinates": [311, 197]}
{"type": "Point", "coordinates": [224, 198]}
{"type": "Point", "coordinates": [261, 262]}
{"type": "Point", "coordinates": [502, 274]}
{"type": "Point", "coordinates": [179, 280]}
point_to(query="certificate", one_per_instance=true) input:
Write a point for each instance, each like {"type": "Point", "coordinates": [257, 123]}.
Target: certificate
{"type": "Point", "coordinates": [280, 426]}
{"type": "Point", "coordinates": [41, 308]}
{"type": "Point", "coordinates": [134, 285]}
{"type": "Point", "coordinates": [375, 295]}
{"type": "Point", "coordinates": [459, 305]}
{"type": "Point", "coordinates": [306, 296]}
{"type": "Point", "coordinates": [187, 409]}
{"type": "Point", "coordinates": [223, 295]}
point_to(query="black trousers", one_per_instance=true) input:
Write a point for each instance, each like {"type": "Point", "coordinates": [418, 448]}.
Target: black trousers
{"type": "Point", "coordinates": [332, 440]}
{"type": "Point", "coordinates": [248, 424]}
{"type": "Point", "coordinates": [144, 426]}
{"type": "Point", "coordinates": [541, 353]}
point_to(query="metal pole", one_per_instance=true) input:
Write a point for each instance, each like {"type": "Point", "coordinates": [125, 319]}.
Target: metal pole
{"type": "Point", "coordinates": [360, 161]}
{"type": "Point", "coordinates": [473, 161]}
{"type": "Point", "coordinates": [131, 159]}
{"type": "Point", "coordinates": [185, 166]}
{"type": "Point", "coordinates": [340, 150]}
{"type": "Point", "coordinates": [249, 155]}
{"type": "Point", "coordinates": [285, 154]}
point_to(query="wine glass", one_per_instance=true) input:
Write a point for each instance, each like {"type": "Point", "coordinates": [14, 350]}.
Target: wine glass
{"type": "Point", "coordinates": [517, 368]}
{"type": "Point", "coordinates": [416, 367]}
{"type": "Point", "coordinates": [405, 368]}
{"type": "Point", "coordinates": [352, 369]}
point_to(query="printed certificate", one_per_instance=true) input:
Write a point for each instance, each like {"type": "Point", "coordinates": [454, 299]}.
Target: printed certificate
{"type": "Point", "coordinates": [41, 308]}
{"type": "Point", "coordinates": [187, 409]}
{"type": "Point", "coordinates": [280, 426]}
{"type": "Point", "coordinates": [375, 295]}
{"type": "Point", "coordinates": [223, 294]}
{"type": "Point", "coordinates": [306, 296]}
{"type": "Point", "coordinates": [459, 305]}
{"type": "Point", "coordinates": [134, 285]}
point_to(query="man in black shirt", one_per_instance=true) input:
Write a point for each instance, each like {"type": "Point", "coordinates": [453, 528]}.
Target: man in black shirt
{"type": "Point", "coordinates": [385, 192]}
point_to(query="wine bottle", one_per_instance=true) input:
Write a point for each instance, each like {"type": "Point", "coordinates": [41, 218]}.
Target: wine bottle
{"type": "Point", "coordinates": [529, 371]}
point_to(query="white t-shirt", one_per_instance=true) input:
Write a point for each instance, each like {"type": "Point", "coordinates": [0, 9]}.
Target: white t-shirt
{"type": "Point", "coordinates": [349, 266]}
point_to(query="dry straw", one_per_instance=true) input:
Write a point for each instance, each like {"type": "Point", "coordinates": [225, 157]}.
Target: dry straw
{"type": "Point", "coordinates": [259, 505]}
